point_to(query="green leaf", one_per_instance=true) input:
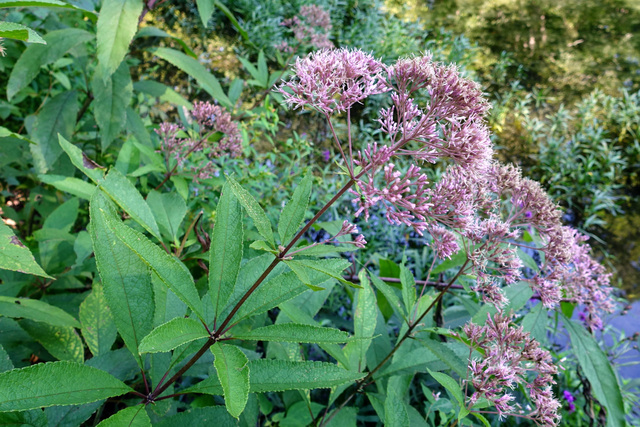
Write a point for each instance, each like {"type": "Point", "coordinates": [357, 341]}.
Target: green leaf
{"type": "Point", "coordinates": [254, 210]}
{"type": "Point", "coordinates": [332, 267]}
{"type": "Point", "coordinates": [598, 371]}
{"type": "Point", "coordinates": [408, 287]}
{"type": "Point", "coordinates": [36, 310]}
{"type": "Point", "coordinates": [40, 3]}
{"type": "Point", "coordinates": [117, 24]}
{"type": "Point", "coordinates": [27, 67]}
{"type": "Point", "coordinates": [447, 356]}
{"type": "Point", "coordinates": [11, 30]}
{"type": "Point", "coordinates": [207, 416]}
{"type": "Point", "coordinates": [163, 92]}
{"type": "Point", "coordinates": [225, 254]}
{"type": "Point", "coordinates": [125, 277]}
{"type": "Point", "coordinates": [112, 94]}
{"type": "Point", "coordinates": [157, 32]}
{"type": "Point", "coordinates": [171, 271]}
{"type": "Point", "coordinates": [233, 373]}
{"type": "Point", "coordinates": [205, 10]}
{"type": "Point", "coordinates": [15, 256]}
{"type": "Point", "coordinates": [56, 383]}
{"type": "Point", "coordinates": [518, 294]}
{"type": "Point", "coordinates": [81, 161]}
{"type": "Point", "coordinates": [291, 332]}
{"type": "Point", "coordinates": [134, 416]}
{"type": "Point", "coordinates": [169, 209]}
{"type": "Point", "coordinates": [234, 22]}
{"type": "Point", "coordinates": [391, 296]}
{"type": "Point", "coordinates": [293, 213]}
{"type": "Point", "coordinates": [62, 342]}
{"type": "Point", "coordinates": [58, 116]}
{"type": "Point", "coordinates": [395, 412]}
{"type": "Point", "coordinates": [172, 334]}
{"type": "Point", "coordinates": [365, 317]}
{"type": "Point", "coordinates": [455, 261]}
{"type": "Point", "coordinates": [454, 388]}
{"type": "Point", "coordinates": [74, 186]}
{"type": "Point", "coordinates": [535, 322]}
{"type": "Point", "coordinates": [98, 327]}
{"type": "Point", "coordinates": [280, 375]}
{"type": "Point", "coordinates": [192, 67]}
{"type": "Point", "coordinates": [263, 71]}
{"type": "Point", "coordinates": [127, 196]}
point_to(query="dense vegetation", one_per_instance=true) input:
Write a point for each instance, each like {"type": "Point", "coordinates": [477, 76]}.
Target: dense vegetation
{"type": "Point", "coordinates": [304, 213]}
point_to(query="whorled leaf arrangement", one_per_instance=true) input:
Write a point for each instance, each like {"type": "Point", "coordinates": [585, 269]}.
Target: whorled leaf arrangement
{"type": "Point", "coordinates": [479, 216]}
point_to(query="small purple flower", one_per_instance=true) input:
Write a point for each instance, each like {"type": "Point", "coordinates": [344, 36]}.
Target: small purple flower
{"type": "Point", "coordinates": [570, 399]}
{"type": "Point", "coordinates": [326, 155]}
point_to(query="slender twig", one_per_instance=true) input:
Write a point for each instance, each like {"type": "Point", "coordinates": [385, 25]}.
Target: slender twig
{"type": "Point", "coordinates": [186, 235]}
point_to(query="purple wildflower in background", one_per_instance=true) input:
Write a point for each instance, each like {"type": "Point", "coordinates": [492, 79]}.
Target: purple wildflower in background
{"type": "Point", "coordinates": [326, 155]}
{"type": "Point", "coordinates": [570, 399]}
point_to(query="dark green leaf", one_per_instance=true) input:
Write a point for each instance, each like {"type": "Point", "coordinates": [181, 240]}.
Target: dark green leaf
{"type": "Point", "coordinates": [125, 277]}
{"type": "Point", "coordinates": [172, 334]}
{"type": "Point", "coordinates": [205, 9]}
{"type": "Point", "coordinates": [58, 116]}
{"type": "Point", "coordinates": [62, 342]}
{"type": "Point", "coordinates": [98, 327]}
{"type": "Point", "coordinates": [11, 30]}
{"type": "Point", "coordinates": [112, 97]}
{"type": "Point", "coordinates": [364, 324]}
{"type": "Point", "coordinates": [598, 370]}
{"type": "Point", "coordinates": [82, 162]}
{"type": "Point", "coordinates": [15, 256]}
{"type": "Point", "coordinates": [27, 67]}
{"type": "Point", "coordinates": [74, 186]}
{"type": "Point", "coordinates": [254, 210]}
{"type": "Point", "coordinates": [163, 92]}
{"type": "Point", "coordinates": [291, 332]}
{"type": "Point", "coordinates": [233, 373]}
{"type": "Point", "coordinates": [294, 211]}
{"type": "Point", "coordinates": [395, 412]}
{"type": "Point", "coordinates": [134, 416]}
{"type": "Point", "coordinates": [169, 209]}
{"type": "Point", "coordinates": [157, 32]}
{"type": "Point", "coordinates": [36, 310]}
{"type": "Point", "coordinates": [454, 388]}
{"type": "Point", "coordinates": [225, 253]}
{"type": "Point", "coordinates": [56, 383]}
{"type": "Point", "coordinates": [408, 287]}
{"type": "Point", "coordinates": [192, 67]}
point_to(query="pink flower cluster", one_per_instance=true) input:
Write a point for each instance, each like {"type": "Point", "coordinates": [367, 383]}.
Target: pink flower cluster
{"type": "Point", "coordinates": [510, 355]}
{"type": "Point", "coordinates": [211, 120]}
{"type": "Point", "coordinates": [312, 27]}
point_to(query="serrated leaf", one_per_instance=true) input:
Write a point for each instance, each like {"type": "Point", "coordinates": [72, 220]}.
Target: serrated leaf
{"type": "Point", "coordinates": [125, 277]}
{"type": "Point", "coordinates": [254, 210]}
{"type": "Point", "coordinates": [171, 271]}
{"type": "Point", "coordinates": [112, 95]}
{"type": "Point", "coordinates": [280, 375]}
{"type": "Point", "coordinates": [134, 416]}
{"type": "Point", "coordinates": [291, 332]}
{"type": "Point", "coordinates": [535, 322]}
{"type": "Point", "coordinates": [61, 341]}
{"type": "Point", "coordinates": [41, 3]}
{"type": "Point", "coordinates": [261, 245]}
{"type": "Point", "coordinates": [98, 327]}
{"type": "Point", "coordinates": [11, 30]}
{"type": "Point", "coordinates": [408, 287]}
{"type": "Point", "coordinates": [233, 373]}
{"type": "Point", "coordinates": [225, 253]}
{"type": "Point", "coordinates": [192, 67]}
{"type": "Point", "coordinates": [293, 213]}
{"type": "Point", "coordinates": [395, 412]}
{"type": "Point", "coordinates": [80, 161]}
{"type": "Point", "coordinates": [391, 296]}
{"type": "Point", "coordinates": [598, 370]}
{"type": "Point", "coordinates": [15, 256]}
{"type": "Point", "coordinates": [331, 267]}
{"type": "Point", "coordinates": [74, 415]}
{"type": "Point", "coordinates": [206, 416]}
{"type": "Point", "coordinates": [36, 310]}
{"type": "Point", "coordinates": [27, 67]}
{"type": "Point", "coordinates": [364, 324]}
{"type": "Point", "coordinates": [58, 116]}
{"type": "Point", "coordinates": [169, 209]}
{"type": "Point", "coordinates": [447, 356]}
{"type": "Point", "coordinates": [172, 334]}
{"type": "Point", "coordinates": [56, 383]}
{"type": "Point", "coordinates": [127, 196]}
{"type": "Point", "coordinates": [71, 185]}
{"type": "Point", "coordinates": [117, 24]}
{"type": "Point", "coordinates": [454, 388]}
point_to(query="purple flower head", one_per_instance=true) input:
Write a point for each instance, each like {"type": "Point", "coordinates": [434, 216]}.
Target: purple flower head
{"type": "Point", "coordinates": [326, 155]}
{"type": "Point", "coordinates": [333, 80]}
{"type": "Point", "coordinates": [568, 396]}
